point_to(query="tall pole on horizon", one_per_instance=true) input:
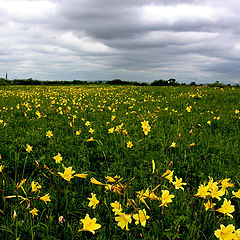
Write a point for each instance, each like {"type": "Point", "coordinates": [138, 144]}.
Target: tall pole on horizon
{"type": "Point", "coordinates": [6, 75]}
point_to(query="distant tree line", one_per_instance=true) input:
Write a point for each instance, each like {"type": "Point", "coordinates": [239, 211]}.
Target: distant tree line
{"type": "Point", "coordinates": [161, 82]}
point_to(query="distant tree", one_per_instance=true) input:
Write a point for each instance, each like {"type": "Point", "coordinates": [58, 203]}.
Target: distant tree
{"type": "Point", "coordinates": [3, 81]}
{"type": "Point", "coordinates": [160, 83]}
{"type": "Point", "coordinates": [192, 84]}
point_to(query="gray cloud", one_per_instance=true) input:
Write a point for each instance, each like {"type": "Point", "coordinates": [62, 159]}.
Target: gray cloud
{"type": "Point", "coordinates": [132, 40]}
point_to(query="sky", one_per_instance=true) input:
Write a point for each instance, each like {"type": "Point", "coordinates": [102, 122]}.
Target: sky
{"type": "Point", "coordinates": [136, 40]}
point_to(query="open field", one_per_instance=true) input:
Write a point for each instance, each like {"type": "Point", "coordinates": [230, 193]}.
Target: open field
{"type": "Point", "coordinates": [121, 155]}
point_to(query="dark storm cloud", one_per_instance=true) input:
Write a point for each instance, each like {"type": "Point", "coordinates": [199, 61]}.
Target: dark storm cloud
{"type": "Point", "coordinates": [128, 39]}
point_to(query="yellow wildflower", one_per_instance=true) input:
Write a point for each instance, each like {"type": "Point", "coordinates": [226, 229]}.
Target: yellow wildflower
{"type": "Point", "coordinates": [35, 186]}
{"type": "Point", "coordinates": [89, 224]}
{"type": "Point", "coordinates": [225, 183]}
{"type": "Point", "coordinates": [81, 175]}
{"type": "Point", "coordinates": [117, 207]}
{"type": "Point", "coordinates": [209, 205]}
{"type": "Point", "coordinates": [93, 201]}
{"type": "Point", "coordinates": [91, 130]}
{"type": "Point", "coordinates": [166, 198]}
{"type": "Point", "coordinates": [34, 212]}
{"type": "Point", "coordinates": [94, 181]}
{"type": "Point", "coordinates": [215, 193]}
{"type": "Point", "coordinates": [153, 166]}
{"type": "Point", "coordinates": [123, 220]}
{"type": "Point", "coordinates": [45, 198]}
{"type": "Point", "coordinates": [87, 123]}
{"type": "Point", "coordinates": [110, 179]}
{"type": "Point", "coordinates": [111, 130]}
{"type": "Point", "coordinates": [225, 233]}
{"type": "Point", "coordinates": [144, 124]}
{"type": "Point", "coordinates": [29, 148]}
{"type": "Point", "coordinates": [226, 208]}
{"type": "Point", "coordinates": [125, 132]}
{"type": "Point", "coordinates": [1, 168]}
{"type": "Point", "coordinates": [141, 217]}
{"type": "Point", "coordinates": [168, 175]}
{"type": "Point", "coordinates": [58, 158]}
{"type": "Point", "coordinates": [178, 183]}
{"type": "Point", "coordinates": [91, 139]}
{"type": "Point", "coordinates": [173, 145]}
{"type": "Point", "coordinates": [188, 108]}
{"type": "Point", "coordinates": [236, 194]}
{"type": "Point", "coordinates": [146, 130]}
{"type": "Point", "coordinates": [129, 144]}
{"type": "Point", "coordinates": [202, 191]}
{"type": "Point", "coordinates": [78, 132]}
{"type": "Point", "coordinates": [49, 134]}
{"type": "Point", "coordinates": [67, 175]}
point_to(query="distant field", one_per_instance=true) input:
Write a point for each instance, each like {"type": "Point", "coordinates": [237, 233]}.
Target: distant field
{"type": "Point", "coordinates": [119, 162]}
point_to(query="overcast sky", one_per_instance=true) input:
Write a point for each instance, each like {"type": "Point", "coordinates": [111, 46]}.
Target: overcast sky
{"type": "Point", "coordinates": [128, 39]}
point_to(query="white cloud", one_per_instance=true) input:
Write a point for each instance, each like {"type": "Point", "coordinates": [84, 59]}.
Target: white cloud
{"type": "Point", "coordinates": [27, 10]}
{"type": "Point", "coordinates": [85, 44]}
{"type": "Point", "coordinates": [170, 15]}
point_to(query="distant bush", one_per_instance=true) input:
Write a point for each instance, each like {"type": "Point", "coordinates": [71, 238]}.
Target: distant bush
{"type": "Point", "coordinates": [216, 84]}
{"type": "Point", "coordinates": [3, 81]}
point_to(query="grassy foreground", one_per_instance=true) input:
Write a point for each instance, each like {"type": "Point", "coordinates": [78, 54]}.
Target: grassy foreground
{"type": "Point", "coordinates": [119, 162]}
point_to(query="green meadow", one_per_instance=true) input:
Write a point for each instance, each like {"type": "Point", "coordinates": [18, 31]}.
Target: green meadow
{"type": "Point", "coordinates": [119, 162]}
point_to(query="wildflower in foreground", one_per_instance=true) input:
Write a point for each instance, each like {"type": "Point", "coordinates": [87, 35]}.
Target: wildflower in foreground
{"type": "Point", "coordinates": [58, 158]}
{"type": "Point", "coordinates": [78, 132]}
{"type": "Point", "coordinates": [166, 198]}
{"type": "Point", "coordinates": [81, 175]}
{"type": "Point", "coordinates": [87, 123]}
{"type": "Point", "coordinates": [68, 174]}
{"type": "Point", "coordinates": [49, 134]}
{"type": "Point", "coordinates": [89, 224]}
{"type": "Point", "coordinates": [216, 193]}
{"type": "Point", "coordinates": [178, 183]}
{"type": "Point", "coordinates": [1, 168]}
{"type": "Point", "coordinates": [21, 183]}
{"type": "Point", "coordinates": [123, 220]}
{"type": "Point", "coordinates": [153, 166]}
{"type": "Point", "coordinates": [141, 217]}
{"type": "Point", "coordinates": [202, 191]}
{"type": "Point", "coordinates": [110, 179]}
{"type": "Point", "coordinates": [168, 175]}
{"type": "Point", "coordinates": [209, 205]}
{"type": "Point", "coordinates": [94, 181]}
{"type": "Point", "coordinates": [111, 130]}
{"type": "Point", "coordinates": [129, 144]}
{"type": "Point", "coordinates": [173, 145]}
{"type": "Point", "coordinates": [91, 130]}
{"type": "Point", "coordinates": [188, 108]}
{"type": "Point", "coordinates": [45, 198]}
{"type": "Point", "coordinates": [93, 201]}
{"type": "Point", "coordinates": [225, 233]}
{"type": "Point", "coordinates": [117, 207]}
{"type": "Point", "coordinates": [91, 139]}
{"type": "Point", "coordinates": [34, 212]}
{"type": "Point", "coordinates": [29, 148]}
{"type": "Point", "coordinates": [192, 144]}
{"type": "Point", "coordinates": [225, 183]}
{"type": "Point", "coordinates": [226, 208]}
{"type": "Point", "coordinates": [35, 186]}
{"type": "Point", "coordinates": [236, 194]}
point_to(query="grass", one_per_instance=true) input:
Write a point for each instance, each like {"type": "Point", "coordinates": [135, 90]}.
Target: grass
{"type": "Point", "coordinates": [29, 112]}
